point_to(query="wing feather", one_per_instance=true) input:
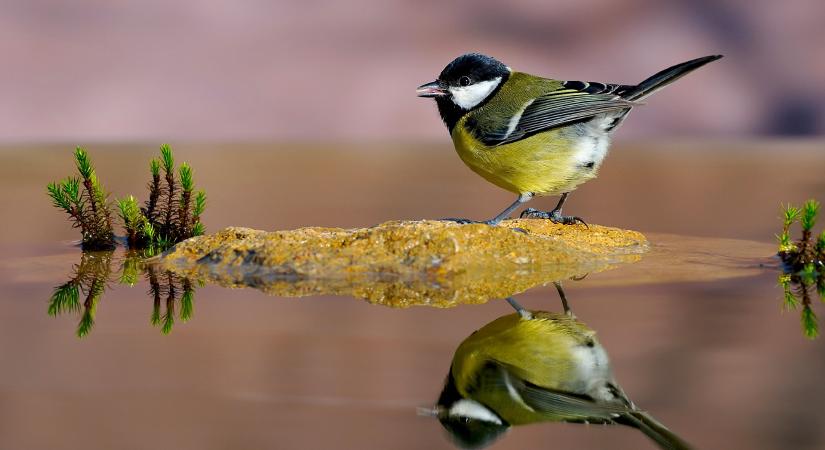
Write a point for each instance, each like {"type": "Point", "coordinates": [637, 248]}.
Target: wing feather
{"type": "Point", "coordinates": [579, 101]}
{"type": "Point", "coordinates": [567, 406]}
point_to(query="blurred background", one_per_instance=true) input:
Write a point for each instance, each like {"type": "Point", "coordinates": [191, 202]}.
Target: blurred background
{"type": "Point", "coordinates": [321, 96]}
{"type": "Point", "coordinates": [320, 69]}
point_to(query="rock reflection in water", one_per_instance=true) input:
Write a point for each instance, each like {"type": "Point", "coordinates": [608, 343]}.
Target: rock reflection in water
{"type": "Point", "coordinates": [400, 264]}
{"type": "Point", "coordinates": [531, 367]}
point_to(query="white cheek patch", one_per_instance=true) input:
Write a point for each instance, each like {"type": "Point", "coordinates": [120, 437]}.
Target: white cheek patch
{"type": "Point", "coordinates": [473, 410]}
{"type": "Point", "coordinates": [467, 97]}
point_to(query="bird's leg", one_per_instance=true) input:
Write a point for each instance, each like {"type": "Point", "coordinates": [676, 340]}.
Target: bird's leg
{"type": "Point", "coordinates": [523, 198]}
{"type": "Point", "coordinates": [519, 309]}
{"type": "Point", "coordinates": [555, 215]}
{"type": "Point", "coordinates": [563, 298]}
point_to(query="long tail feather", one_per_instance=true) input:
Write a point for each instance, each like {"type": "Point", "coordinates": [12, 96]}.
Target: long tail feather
{"type": "Point", "coordinates": [666, 77]}
{"type": "Point", "coordinates": [653, 429]}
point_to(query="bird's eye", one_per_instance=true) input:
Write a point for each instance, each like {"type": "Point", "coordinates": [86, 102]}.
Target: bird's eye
{"type": "Point", "coordinates": [465, 419]}
{"type": "Point", "coordinates": [464, 81]}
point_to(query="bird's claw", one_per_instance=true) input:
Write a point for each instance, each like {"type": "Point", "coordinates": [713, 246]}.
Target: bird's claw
{"type": "Point", "coordinates": [553, 216]}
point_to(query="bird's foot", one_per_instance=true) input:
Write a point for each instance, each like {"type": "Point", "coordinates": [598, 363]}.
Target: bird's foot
{"type": "Point", "coordinates": [553, 216]}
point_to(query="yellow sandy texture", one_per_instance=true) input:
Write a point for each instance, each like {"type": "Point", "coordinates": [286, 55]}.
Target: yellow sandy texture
{"type": "Point", "coordinates": [405, 263]}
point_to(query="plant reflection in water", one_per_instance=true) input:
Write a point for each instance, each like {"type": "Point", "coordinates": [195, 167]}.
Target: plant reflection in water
{"type": "Point", "coordinates": [91, 277]}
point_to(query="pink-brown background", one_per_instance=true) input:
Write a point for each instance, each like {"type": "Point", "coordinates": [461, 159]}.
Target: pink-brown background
{"type": "Point", "coordinates": [719, 362]}
{"type": "Point", "coordinates": [323, 69]}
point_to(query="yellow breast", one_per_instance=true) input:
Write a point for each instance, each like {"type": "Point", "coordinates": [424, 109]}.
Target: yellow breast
{"type": "Point", "coordinates": [543, 164]}
{"type": "Point", "coordinates": [537, 350]}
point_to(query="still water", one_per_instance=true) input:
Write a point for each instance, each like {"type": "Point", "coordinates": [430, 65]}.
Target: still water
{"type": "Point", "coordinates": [695, 331]}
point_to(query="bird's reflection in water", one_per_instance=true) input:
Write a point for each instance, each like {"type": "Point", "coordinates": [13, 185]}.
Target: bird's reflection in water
{"type": "Point", "coordinates": [535, 366]}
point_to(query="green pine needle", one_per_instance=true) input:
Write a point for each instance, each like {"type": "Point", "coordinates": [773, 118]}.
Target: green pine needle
{"type": "Point", "coordinates": [84, 166]}
{"type": "Point", "coordinates": [790, 302]}
{"type": "Point", "coordinates": [87, 320]}
{"type": "Point", "coordinates": [186, 177]}
{"type": "Point", "coordinates": [810, 326]}
{"type": "Point", "coordinates": [154, 319]}
{"type": "Point", "coordinates": [154, 166]}
{"type": "Point", "coordinates": [168, 322]}
{"type": "Point", "coordinates": [131, 271]}
{"type": "Point", "coordinates": [95, 182]}
{"type": "Point", "coordinates": [808, 274]}
{"type": "Point", "coordinates": [809, 213]}
{"type": "Point", "coordinates": [163, 242]}
{"type": "Point", "coordinates": [790, 215]}
{"type": "Point", "coordinates": [198, 229]}
{"type": "Point", "coordinates": [200, 203]}
{"type": "Point", "coordinates": [149, 231]}
{"type": "Point", "coordinates": [129, 212]}
{"type": "Point", "coordinates": [64, 299]}
{"type": "Point", "coordinates": [71, 187]}
{"type": "Point", "coordinates": [65, 194]}
{"type": "Point", "coordinates": [58, 196]}
{"type": "Point", "coordinates": [101, 196]}
{"type": "Point", "coordinates": [186, 305]}
{"type": "Point", "coordinates": [167, 159]}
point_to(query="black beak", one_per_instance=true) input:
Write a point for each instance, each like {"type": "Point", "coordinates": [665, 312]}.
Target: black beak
{"type": "Point", "coordinates": [433, 89]}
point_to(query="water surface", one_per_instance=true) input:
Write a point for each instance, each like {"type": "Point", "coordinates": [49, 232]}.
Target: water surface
{"type": "Point", "coordinates": [695, 331]}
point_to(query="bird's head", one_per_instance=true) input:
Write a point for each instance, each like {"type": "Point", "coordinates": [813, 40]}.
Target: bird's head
{"type": "Point", "coordinates": [466, 82]}
{"type": "Point", "coordinates": [470, 424]}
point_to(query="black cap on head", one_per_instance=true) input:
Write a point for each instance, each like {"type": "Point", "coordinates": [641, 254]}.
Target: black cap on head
{"type": "Point", "coordinates": [466, 432]}
{"type": "Point", "coordinates": [472, 434]}
{"type": "Point", "coordinates": [475, 66]}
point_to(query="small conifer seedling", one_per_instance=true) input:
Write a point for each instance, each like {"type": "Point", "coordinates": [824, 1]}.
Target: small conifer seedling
{"type": "Point", "coordinates": [804, 264]}
{"type": "Point", "coordinates": [86, 203]}
{"type": "Point", "coordinates": [171, 214]}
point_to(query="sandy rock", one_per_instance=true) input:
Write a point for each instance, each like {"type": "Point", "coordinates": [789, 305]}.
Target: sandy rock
{"type": "Point", "coordinates": [405, 263]}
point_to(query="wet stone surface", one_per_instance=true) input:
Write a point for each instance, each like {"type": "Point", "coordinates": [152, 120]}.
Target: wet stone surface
{"type": "Point", "coordinates": [405, 263]}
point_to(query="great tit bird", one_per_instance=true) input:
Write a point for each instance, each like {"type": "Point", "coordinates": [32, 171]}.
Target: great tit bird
{"type": "Point", "coordinates": [532, 135]}
{"type": "Point", "coordinates": [530, 367]}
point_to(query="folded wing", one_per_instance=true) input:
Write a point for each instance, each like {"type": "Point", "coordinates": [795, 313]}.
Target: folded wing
{"type": "Point", "coordinates": [576, 101]}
